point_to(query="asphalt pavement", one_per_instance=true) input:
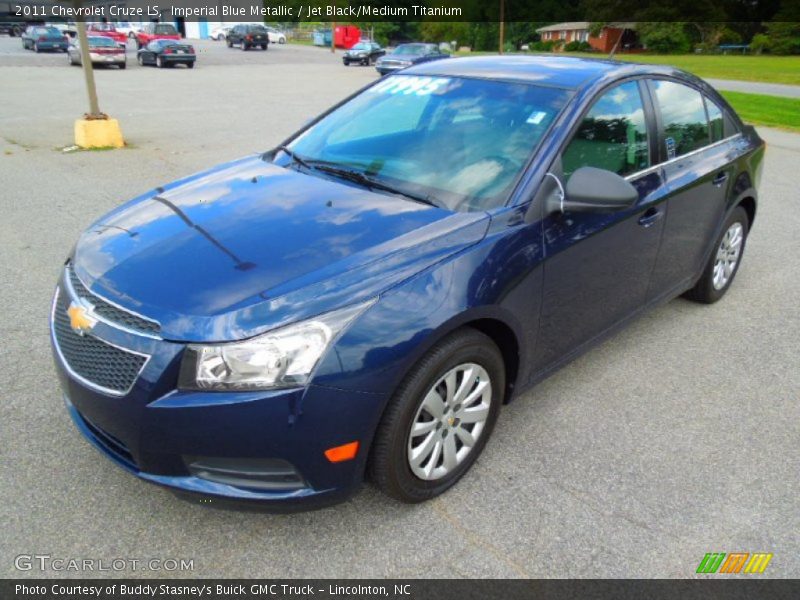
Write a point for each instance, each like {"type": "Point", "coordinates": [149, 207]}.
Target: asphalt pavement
{"type": "Point", "coordinates": [755, 87]}
{"type": "Point", "coordinates": [677, 437]}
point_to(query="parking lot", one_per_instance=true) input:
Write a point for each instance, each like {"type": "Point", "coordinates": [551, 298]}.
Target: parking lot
{"type": "Point", "coordinates": [677, 437]}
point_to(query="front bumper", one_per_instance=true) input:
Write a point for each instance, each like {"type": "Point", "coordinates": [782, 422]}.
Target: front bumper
{"type": "Point", "coordinates": [153, 430]}
{"type": "Point", "coordinates": [384, 69]}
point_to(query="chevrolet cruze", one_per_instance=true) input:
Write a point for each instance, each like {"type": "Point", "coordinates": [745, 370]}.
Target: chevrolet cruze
{"type": "Point", "coordinates": [362, 300]}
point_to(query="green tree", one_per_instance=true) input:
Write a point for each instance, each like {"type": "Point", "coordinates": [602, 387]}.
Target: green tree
{"type": "Point", "coordinates": [664, 37]}
{"type": "Point", "coordinates": [784, 37]}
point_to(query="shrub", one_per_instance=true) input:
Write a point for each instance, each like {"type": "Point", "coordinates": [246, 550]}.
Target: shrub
{"type": "Point", "coordinates": [543, 46]}
{"type": "Point", "coordinates": [760, 43]}
{"type": "Point", "coordinates": [664, 38]}
{"type": "Point", "coordinates": [577, 46]}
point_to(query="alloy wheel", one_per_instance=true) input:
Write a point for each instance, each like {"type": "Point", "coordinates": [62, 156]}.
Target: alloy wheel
{"type": "Point", "coordinates": [728, 253]}
{"type": "Point", "coordinates": [449, 421]}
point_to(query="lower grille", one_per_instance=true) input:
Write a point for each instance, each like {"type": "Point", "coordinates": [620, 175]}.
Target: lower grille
{"type": "Point", "coordinates": [109, 443]}
{"type": "Point", "coordinates": [105, 367]}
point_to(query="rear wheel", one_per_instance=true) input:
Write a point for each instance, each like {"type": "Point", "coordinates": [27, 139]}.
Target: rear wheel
{"type": "Point", "coordinates": [123, 65]}
{"type": "Point", "coordinates": [36, 47]}
{"type": "Point", "coordinates": [439, 419]}
{"type": "Point", "coordinates": [263, 46]}
{"type": "Point", "coordinates": [190, 65]}
{"type": "Point", "coordinates": [140, 60]}
{"type": "Point", "coordinates": [724, 261]}
{"type": "Point", "coordinates": [229, 43]}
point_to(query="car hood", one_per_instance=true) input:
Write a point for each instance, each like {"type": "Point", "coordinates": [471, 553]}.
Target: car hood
{"type": "Point", "coordinates": [248, 246]}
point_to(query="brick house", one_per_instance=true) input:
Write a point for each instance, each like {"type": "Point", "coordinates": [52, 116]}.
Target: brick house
{"type": "Point", "coordinates": [578, 31]}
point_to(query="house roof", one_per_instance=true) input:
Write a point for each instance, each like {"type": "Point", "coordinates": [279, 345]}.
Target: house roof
{"type": "Point", "coordinates": [569, 26]}
{"type": "Point", "coordinates": [581, 25]}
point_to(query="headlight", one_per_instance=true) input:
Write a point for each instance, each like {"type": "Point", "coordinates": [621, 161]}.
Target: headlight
{"type": "Point", "coordinates": [281, 358]}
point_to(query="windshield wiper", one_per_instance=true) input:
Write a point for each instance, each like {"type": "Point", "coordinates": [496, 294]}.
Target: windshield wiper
{"type": "Point", "coordinates": [294, 156]}
{"type": "Point", "coordinates": [362, 178]}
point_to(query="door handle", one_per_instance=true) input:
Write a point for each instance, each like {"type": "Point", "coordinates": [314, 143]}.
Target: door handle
{"type": "Point", "coordinates": [721, 178]}
{"type": "Point", "coordinates": [650, 216]}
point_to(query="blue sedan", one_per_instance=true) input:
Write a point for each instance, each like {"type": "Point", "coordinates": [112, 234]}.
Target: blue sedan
{"type": "Point", "coordinates": [44, 38]}
{"type": "Point", "coordinates": [362, 300]}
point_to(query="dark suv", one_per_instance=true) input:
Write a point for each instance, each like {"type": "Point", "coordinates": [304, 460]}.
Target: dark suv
{"type": "Point", "coordinates": [248, 36]}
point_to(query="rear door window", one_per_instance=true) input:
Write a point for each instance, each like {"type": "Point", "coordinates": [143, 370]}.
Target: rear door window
{"type": "Point", "coordinates": [684, 119]}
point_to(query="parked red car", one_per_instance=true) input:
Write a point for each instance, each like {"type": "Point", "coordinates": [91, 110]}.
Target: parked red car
{"type": "Point", "coordinates": [156, 31]}
{"type": "Point", "coordinates": [106, 30]}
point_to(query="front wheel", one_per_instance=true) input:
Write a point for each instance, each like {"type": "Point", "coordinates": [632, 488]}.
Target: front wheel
{"type": "Point", "coordinates": [245, 47]}
{"type": "Point", "coordinates": [439, 419]}
{"type": "Point", "coordinates": [160, 63]}
{"type": "Point", "coordinates": [724, 261]}
{"type": "Point", "coordinates": [36, 47]}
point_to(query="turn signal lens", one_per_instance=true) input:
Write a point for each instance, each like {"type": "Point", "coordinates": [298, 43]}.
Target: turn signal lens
{"type": "Point", "coordinates": [342, 453]}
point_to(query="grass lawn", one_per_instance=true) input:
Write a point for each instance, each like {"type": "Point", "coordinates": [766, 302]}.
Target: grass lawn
{"type": "Point", "coordinates": [763, 68]}
{"type": "Point", "coordinates": [770, 111]}
{"type": "Point", "coordinates": [767, 69]}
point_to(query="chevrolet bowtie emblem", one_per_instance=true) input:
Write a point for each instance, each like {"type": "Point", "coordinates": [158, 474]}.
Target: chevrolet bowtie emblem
{"type": "Point", "coordinates": [79, 319]}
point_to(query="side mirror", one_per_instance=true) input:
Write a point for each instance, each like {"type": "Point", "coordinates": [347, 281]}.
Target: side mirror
{"type": "Point", "coordinates": [595, 190]}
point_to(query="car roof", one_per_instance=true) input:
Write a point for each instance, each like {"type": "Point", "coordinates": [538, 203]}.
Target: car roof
{"type": "Point", "coordinates": [558, 71]}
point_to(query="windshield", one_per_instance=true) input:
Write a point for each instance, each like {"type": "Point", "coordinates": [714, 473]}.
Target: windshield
{"type": "Point", "coordinates": [458, 142]}
{"type": "Point", "coordinates": [361, 47]}
{"type": "Point", "coordinates": [411, 49]}
{"type": "Point", "coordinates": [102, 41]}
{"type": "Point", "coordinates": [165, 30]}
{"type": "Point", "coordinates": [49, 31]}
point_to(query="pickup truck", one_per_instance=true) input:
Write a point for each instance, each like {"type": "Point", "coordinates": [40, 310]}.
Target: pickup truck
{"type": "Point", "coordinates": [156, 31]}
{"type": "Point", "coordinates": [106, 30]}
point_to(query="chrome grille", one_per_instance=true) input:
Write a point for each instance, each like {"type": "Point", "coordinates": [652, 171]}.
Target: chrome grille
{"type": "Point", "coordinates": [97, 363]}
{"type": "Point", "coordinates": [113, 315]}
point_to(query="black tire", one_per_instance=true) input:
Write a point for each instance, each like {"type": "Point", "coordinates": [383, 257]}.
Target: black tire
{"type": "Point", "coordinates": [140, 60]}
{"type": "Point", "coordinates": [229, 43]}
{"type": "Point", "coordinates": [264, 47]}
{"type": "Point", "coordinates": [160, 62]}
{"type": "Point", "coordinates": [36, 48]}
{"type": "Point", "coordinates": [190, 65]}
{"type": "Point", "coordinates": [388, 466]}
{"type": "Point", "coordinates": [704, 290]}
{"type": "Point", "coordinates": [346, 63]}
{"type": "Point", "coordinates": [245, 47]}
{"type": "Point", "coordinates": [123, 65]}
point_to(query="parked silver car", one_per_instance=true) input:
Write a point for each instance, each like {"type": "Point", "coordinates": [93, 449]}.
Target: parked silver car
{"type": "Point", "coordinates": [102, 51]}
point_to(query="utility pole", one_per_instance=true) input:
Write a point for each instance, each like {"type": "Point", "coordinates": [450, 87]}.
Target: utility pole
{"type": "Point", "coordinates": [86, 63]}
{"type": "Point", "coordinates": [502, 25]}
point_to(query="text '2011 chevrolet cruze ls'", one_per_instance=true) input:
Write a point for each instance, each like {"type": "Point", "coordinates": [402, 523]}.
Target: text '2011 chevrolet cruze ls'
{"type": "Point", "coordinates": [361, 300]}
